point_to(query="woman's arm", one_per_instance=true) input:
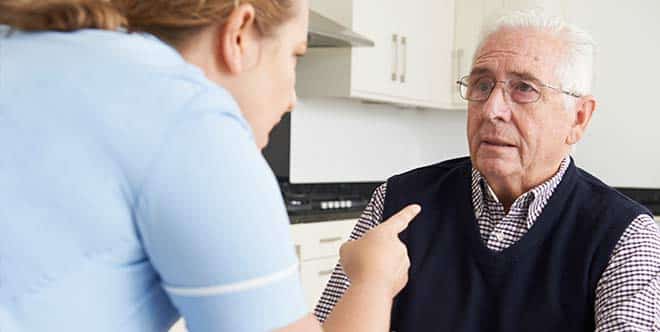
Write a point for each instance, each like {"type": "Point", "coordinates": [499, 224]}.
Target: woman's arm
{"type": "Point", "coordinates": [377, 265]}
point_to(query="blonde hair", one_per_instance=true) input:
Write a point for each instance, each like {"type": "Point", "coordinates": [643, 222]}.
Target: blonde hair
{"type": "Point", "coordinates": [171, 20]}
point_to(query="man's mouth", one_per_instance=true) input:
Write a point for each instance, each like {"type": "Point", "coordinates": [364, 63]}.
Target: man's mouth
{"type": "Point", "coordinates": [497, 143]}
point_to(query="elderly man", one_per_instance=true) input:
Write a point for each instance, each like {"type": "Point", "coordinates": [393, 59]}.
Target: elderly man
{"type": "Point", "coordinates": [516, 237]}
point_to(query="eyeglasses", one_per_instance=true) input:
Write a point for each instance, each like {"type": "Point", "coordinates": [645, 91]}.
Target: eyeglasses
{"type": "Point", "coordinates": [521, 91]}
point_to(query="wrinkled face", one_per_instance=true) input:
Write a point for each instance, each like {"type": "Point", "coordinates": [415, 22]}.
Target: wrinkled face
{"type": "Point", "coordinates": [520, 140]}
{"type": "Point", "coordinates": [273, 79]}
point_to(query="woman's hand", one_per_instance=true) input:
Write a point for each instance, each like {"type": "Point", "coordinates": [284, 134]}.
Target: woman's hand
{"type": "Point", "coordinates": [379, 259]}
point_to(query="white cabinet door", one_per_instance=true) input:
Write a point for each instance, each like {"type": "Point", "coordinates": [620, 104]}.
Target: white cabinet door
{"type": "Point", "coordinates": [416, 50]}
{"type": "Point", "coordinates": [412, 53]}
{"type": "Point", "coordinates": [433, 45]}
{"type": "Point", "coordinates": [409, 64]}
{"type": "Point", "coordinates": [374, 70]}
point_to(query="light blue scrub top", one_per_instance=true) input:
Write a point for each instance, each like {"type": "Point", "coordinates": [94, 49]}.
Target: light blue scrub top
{"type": "Point", "coordinates": [132, 192]}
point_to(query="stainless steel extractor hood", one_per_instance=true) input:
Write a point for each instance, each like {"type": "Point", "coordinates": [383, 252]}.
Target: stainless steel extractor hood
{"type": "Point", "coordinates": [324, 32]}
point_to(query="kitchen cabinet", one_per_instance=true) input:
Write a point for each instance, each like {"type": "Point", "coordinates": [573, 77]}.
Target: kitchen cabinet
{"type": "Point", "coordinates": [317, 248]}
{"type": "Point", "coordinates": [410, 63]}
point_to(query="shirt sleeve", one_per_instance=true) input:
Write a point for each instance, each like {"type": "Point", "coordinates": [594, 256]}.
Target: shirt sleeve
{"type": "Point", "coordinates": [339, 282]}
{"type": "Point", "coordinates": [628, 292]}
{"type": "Point", "coordinates": [213, 224]}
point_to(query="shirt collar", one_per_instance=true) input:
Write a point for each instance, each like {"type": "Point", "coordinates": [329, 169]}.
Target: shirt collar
{"type": "Point", "coordinates": [533, 200]}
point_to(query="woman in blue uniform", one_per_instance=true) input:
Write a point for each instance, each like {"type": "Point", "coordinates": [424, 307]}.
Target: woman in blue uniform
{"type": "Point", "coordinates": [132, 188]}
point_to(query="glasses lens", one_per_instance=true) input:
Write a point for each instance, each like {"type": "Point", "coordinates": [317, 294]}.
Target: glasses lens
{"type": "Point", "coordinates": [523, 92]}
{"type": "Point", "coordinates": [479, 88]}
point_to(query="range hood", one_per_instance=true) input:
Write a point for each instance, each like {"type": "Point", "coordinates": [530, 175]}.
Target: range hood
{"type": "Point", "coordinates": [324, 32]}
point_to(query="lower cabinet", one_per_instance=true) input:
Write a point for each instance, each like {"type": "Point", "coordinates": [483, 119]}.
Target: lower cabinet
{"type": "Point", "coordinates": [317, 247]}
{"type": "Point", "coordinates": [314, 275]}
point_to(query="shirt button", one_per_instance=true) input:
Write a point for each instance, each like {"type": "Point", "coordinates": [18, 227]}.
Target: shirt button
{"type": "Point", "coordinates": [499, 236]}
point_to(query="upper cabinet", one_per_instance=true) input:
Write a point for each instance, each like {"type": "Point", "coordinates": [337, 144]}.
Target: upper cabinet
{"type": "Point", "coordinates": [410, 64]}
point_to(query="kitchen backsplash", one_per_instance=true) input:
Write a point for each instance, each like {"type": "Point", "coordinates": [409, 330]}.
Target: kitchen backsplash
{"type": "Point", "coordinates": [341, 140]}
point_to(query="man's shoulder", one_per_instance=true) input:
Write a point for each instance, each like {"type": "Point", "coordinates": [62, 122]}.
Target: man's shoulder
{"type": "Point", "coordinates": [607, 196]}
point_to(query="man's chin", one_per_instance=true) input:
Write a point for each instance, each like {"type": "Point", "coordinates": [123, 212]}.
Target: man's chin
{"type": "Point", "coordinates": [496, 167]}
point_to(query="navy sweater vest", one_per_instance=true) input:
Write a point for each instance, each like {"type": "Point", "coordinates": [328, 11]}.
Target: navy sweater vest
{"type": "Point", "coordinates": [544, 282]}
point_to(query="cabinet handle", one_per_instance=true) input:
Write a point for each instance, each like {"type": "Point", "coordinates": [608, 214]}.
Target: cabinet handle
{"type": "Point", "coordinates": [331, 239]}
{"type": "Point", "coordinates": [325, 273]}
{"type": "Point", "coordinates": [404, 60]}
{"type": "Point", "coordinates": [395, 56]}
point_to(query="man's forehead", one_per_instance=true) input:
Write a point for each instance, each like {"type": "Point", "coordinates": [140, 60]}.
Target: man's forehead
{"type": "Point", "coordinates": [527, 41]}
{"type": "Point", "coordinates": [521, 50]}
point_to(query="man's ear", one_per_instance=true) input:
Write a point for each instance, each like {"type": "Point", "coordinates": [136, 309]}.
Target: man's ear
{"type": "Point", "coordinates": [238, 44]}
{"type": "Point", "coordinates": [585, 108]}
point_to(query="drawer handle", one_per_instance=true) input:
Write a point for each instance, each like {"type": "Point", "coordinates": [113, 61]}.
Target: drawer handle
{"type": "Point", "coordinates": [404, 62]}
{"type": "Point", "coordinates": [395, 56]}
{"type": "Point", "coordinates": [325, 273]}
{"type": "Point", "coordinates": [331, 239]}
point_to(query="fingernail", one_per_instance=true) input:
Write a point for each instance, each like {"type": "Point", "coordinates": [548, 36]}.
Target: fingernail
{"type": "Point", "coordinates": [416, 208]}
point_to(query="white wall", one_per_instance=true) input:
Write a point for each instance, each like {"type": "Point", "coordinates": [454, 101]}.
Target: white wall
{"type": "Point", "coordinates": [341, 140]}
{"type": "Point", "coordinates": [621, 146]}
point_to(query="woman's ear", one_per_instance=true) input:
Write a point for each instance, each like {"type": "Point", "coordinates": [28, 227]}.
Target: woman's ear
{"type": "Point", "coordinates": [238, 40]}
{"type": "Point", "coordinates": [586, 106]}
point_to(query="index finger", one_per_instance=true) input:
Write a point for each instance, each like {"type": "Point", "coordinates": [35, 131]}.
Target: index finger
{"type": "Point", "coordinates": [400, 221]}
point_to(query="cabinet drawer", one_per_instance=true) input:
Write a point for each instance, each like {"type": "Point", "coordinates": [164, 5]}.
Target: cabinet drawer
{"type": "Point", "coordinates": [314, 275]}
{"type": "Point", "coordinates": [321, 240]}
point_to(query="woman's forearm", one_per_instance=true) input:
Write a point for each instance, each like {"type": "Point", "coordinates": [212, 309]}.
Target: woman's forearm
{"type": "Point", "coordinates": [363, 308]}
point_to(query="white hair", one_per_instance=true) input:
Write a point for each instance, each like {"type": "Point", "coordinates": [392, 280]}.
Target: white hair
{"type": "Point", "coordinates": [575, 71]}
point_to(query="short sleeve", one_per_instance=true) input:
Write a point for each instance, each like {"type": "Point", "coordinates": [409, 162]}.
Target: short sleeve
{"type": "Point", "coordinates": [213, 224]}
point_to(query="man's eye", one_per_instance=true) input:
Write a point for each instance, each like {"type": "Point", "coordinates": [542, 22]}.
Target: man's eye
{"type": "Point", "coordinates": [483, 85]}
{"type": "Point", "coordinates": [524, 87]}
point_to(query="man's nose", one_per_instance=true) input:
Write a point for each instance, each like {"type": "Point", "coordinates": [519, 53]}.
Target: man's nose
{"type": "Point", "coordinates": [498, 104]}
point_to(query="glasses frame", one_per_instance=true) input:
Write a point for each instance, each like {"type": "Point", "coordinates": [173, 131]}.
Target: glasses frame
{"type": "Point", "coordinates": [461, 83]}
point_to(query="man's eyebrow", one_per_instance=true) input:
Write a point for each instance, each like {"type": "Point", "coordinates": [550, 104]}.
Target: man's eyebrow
{"type": "Point", "coordinates": [525, 75]}
{"type": "Point", "coordinates": [479, 71]}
